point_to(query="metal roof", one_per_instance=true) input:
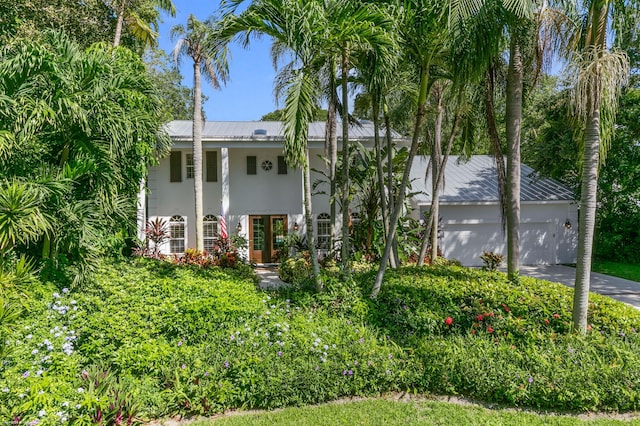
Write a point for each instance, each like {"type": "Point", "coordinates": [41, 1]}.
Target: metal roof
{"type": "Point", "coordinates": [475, 181]}
{"type": "Point", "coordinates": [246, 130]}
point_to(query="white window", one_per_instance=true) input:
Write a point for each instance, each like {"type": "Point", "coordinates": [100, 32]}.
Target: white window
{"type": "Point", "coordinates": [176, 234]}
{"type": "Point", "coordinates": [324, 231]}
{"type": "Point", "coordinates": [355, 221]}
{"type": "Point", "coordinates": [190, 172]}
{"type": "Point", "coordinates": [210, 232]}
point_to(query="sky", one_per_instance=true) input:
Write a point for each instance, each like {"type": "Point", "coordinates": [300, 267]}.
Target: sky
{"type": "Point", "coordinates": [248, 94]}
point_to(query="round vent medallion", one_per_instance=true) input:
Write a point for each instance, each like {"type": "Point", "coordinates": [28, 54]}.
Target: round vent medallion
{"type": "Point", "coordinates": [267, 165]}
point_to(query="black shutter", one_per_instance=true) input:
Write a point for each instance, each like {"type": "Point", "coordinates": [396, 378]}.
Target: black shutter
{"type": "Point", "coordinates": [251, 165]}
{"type": "Point", "coordinates": [175, 174]}
{"type": "Point", "coordinates": [282, 165]}
{"type": "Point", "coordinates": [212, 166]}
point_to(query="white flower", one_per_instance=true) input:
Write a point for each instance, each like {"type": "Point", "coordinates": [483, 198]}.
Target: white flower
{"type": "Point", "coordinates": [5, 390]}
{"type": "Point", "coordinates": [28, 336]}
{"type": "Point", "coordinates": [56, 295]}
{"type": "Point", "coordinates": [65, 290]}
{"type": "Point", "coordinates": [35, 351]}
{"type": "Point", "coordinates": [42, 413]}
{"type": "Point", "coordinates": [80, 390]}
{"type": "Point", "coordinates": [65, 404]}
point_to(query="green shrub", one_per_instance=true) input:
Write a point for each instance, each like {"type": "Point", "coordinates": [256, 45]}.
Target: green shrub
{"type": "Point", "coordinates": [294, 270]}
{"type": "Point", "coordinates": [158, 339]}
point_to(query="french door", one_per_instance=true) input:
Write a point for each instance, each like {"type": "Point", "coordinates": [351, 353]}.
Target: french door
{"type": "Point", "coordinates": [266, 237]}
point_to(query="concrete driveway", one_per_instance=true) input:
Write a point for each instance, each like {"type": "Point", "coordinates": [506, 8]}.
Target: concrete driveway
{"type": "Point", "coordinates": [618, 288]}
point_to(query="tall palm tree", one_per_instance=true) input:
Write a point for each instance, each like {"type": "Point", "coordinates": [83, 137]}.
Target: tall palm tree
{"type": "Point", "coordinates": [208, 51]}
{"type": "Point", "coordinates": [599, 74]}
{"type": "Point", "coordinates": [423, 38]}
{"type": "Point", "coordinates": [295, 25]}
{"type": "Point", "coordinates": [141, 28]}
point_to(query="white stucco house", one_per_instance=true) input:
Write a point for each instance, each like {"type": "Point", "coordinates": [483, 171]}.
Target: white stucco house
{"type": "Point", "coordinates": [245, 176]}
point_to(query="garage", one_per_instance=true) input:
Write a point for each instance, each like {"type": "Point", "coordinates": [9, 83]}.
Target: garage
{"type": "Point", "coordinates": [470, 214]}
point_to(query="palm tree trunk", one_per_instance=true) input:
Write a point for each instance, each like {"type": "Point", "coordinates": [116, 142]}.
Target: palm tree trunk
{"type": "Point", "coordinates": [436, 184]}
{"type": "Point", "coordinates": [586, 223]}
{"type": "Point", "coordinates": [415, 142]}
{"type": "Point", "coordinates": [345, 161]}
{"type": "Point", "coordinates": [513, 124]}
{"type": "Point", "coordinates": [332, 139]}
{"type": "Point", "coordinates": [387, 123]}
{"type": "Point", "coordinates": [496, 145]}
{"type": "Point", "coordinates": [197, 155]}
{"type": "Point", "coordinates": [119, 22]}
{"type": "Point", "coordinates": [380, 172]}
{"type": "Point", "coordinates": [440, 179]}
{"type": "Point", "coordinates": [308, 217]}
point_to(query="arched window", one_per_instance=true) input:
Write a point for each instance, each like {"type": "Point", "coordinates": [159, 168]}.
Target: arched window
{"type": "Point", "coordinates": [210, 231]}
{"type": "Point", "coordinates": [324, 231]}
{"type": "Point", "coordinates": [176, 232]}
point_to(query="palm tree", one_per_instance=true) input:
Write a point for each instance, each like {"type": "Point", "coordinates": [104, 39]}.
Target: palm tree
{"type": "Point", "coordinates": [295, 25]}
{"type": "Point", "coordinates": [139, 26]}
{"type": "Point", "coordinates": [353, 27]}
{"type": "Point", "coordinates": [531, 27]}
{"type": "Point", "coordinates": [423, 38]}
{"type": "Point", "coordinates": [599, 74]}
{"type": "Point", "coordinates": [208, 51]}
{"type": "Point", "coordinates": [316, 32]}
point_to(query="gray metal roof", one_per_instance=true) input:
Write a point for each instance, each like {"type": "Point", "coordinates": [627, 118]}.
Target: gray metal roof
{"type": "Point", "coordinates": [475, 181]}
{"type": "Point", "coordinates": [246, 130]}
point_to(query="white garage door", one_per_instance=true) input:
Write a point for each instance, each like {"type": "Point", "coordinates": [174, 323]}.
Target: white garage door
{"type": "Point", "coordinates": [466, 242]}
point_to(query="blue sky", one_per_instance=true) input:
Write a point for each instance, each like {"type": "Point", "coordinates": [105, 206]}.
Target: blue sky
{"type": "Point", "coordinates": [249, 93]}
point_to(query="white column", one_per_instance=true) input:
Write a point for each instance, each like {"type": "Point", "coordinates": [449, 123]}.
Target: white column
{"type": "Point", "coordinates": [141, 210]}
{"type": "Point", "coordinates": [224, 155]}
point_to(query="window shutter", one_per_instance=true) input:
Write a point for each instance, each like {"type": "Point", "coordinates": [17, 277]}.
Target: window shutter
{"type": "Point", "coordinates": [282, 165]}
{"type": "Point", "coordinates": [175, 162]}
{"type": "Point", "coordinates": [251, 165]}
{"type": "Point", "coordinates": [212, 166]}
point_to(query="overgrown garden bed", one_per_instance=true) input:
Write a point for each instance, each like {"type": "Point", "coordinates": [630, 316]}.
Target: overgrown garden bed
{"type": "Point", "coordinates": [149, 339]}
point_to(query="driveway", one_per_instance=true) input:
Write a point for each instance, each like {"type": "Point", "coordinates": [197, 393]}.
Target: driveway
{"type": "Point", "coordinates": [618, 288]}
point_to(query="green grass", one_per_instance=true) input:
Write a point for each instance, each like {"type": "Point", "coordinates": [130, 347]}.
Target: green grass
{"type": "Point", "coordinates": [627, 271]}
{"type": "Point", "coordinates": [401, 413]}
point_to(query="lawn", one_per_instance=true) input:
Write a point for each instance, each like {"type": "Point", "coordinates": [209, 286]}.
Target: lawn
{"type": "Point", "coordinates": [147, 339]}
{"type": "Point", "coordinates": [628, 271]}
{"type": "Point", "coordinates": [401, 413]}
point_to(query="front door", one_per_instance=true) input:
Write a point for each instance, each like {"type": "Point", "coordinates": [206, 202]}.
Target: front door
{"type": "Point", "coordinates": [266, 237]}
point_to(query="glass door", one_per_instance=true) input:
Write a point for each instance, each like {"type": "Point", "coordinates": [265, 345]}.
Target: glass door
{"type": "Point", "coordinates": [257, 239]}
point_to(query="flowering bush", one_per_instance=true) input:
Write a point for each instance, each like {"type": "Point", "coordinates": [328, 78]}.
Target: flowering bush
{"type": "Point", "coordinates": [148, 339]}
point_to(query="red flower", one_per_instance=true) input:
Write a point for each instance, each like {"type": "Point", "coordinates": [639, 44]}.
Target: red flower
{"type": "Point", "coordinates": [480, 317]}
{"type": "Point", "coordinates": [473, 332]}
{"type": "Point", "coordinates": [489, 330]}
{"type": "Point", "coordinates": [448, 321]}
{"type": "Point", "coordinates": [546, 321]}
{"type": "Point", "coordinates": [556, 316]}
{"type": "Point", "coordinates": [506, 308]}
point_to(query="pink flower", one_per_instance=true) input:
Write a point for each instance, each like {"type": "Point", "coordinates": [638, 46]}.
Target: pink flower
{"type": "Point", "coordinates": [489, 330]}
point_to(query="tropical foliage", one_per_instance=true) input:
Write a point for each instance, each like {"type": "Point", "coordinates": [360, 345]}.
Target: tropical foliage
{"type": "Point", "coordinates": [148, 339]}
{"type": "Point", "coordinates": [78, 128]}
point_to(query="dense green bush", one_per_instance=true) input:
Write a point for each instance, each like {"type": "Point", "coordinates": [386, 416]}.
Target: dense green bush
{"type": "Point", "coordinates": [294, 270]}
{"type": "Point", "coordinates": [148, 339]}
